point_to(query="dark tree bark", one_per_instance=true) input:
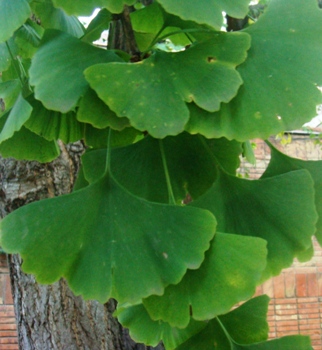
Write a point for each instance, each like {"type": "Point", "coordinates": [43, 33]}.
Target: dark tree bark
{"type": "Point", "coordinates": [51, 317]}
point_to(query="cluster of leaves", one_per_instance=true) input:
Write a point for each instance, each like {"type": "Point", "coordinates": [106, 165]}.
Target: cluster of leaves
{"type": "Point", "coordinates": [162, 130]}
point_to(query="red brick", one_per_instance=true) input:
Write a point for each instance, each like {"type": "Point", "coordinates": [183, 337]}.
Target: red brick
{"type": "Point", "coordinates": [8, 327]}
{"type": "Point", "coordinates": [312, 285]}
{"type": "Point", "coordinates": [289, 284]}
{"type": "Point", "coordinates": [279, 287]}
{"type": "Point", "coordinates": [7, 291]}
{"type": "Point", "coordinates": [301, 289]}
{"type": "Point", "coordinates": [8, 334]}
{"type": "Point", "coordinates": [268, 288]}
{"type": "Point", "coordinates": [9, 347]}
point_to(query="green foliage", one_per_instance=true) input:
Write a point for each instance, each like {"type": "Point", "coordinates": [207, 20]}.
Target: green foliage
{"type": "Point", "coordinates": [165, 128]}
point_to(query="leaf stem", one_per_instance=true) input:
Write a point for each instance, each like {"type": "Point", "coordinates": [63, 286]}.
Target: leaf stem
{"type": "Point", "coordinates": [226, 332]}
{"type": "Point", "coordinates": [109, 151]}
{"type": "Point", "coordinates": [166, 173]}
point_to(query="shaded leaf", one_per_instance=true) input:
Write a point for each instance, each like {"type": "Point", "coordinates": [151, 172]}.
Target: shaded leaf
{"type": "Point", "coordinates": [281, 163]}
{"type": "Point", "coordinates": [279, 209]}
{"type": "Point", "coordinates": [204, 73]}
{"type": "Point", "coordinates": [13, 14]}
{"type": "Point", "coordinates": [100, 240]}
{"type": "Point", "coordinates": [25, 145]}
{"type": "Point", "coordinates": [5, 59]}
{"type": "Point", "coordinates": [86, 7]}
{"type": "Point", "coordinates": [230, 273]}
{"type": "Point", "coordinates": [206, 11]}
{"type": "Point", "coordinates": [17, 117]}
{"type": "Point", "coordinates": [191, 163]}
{"type": "Point", "coordinates": [280, 75]}
{"type": "Point", "coordinates": [144, 330]}
{"type": "Point", "coordinates": [27, 39]}
{"type": "Point", "coordinates": [67, 83]}
{"type": "Point", "coordinates": [53, 125]}
{"type": "Point", "coordinates": [100, 23]}
{"type": "Point", "coordinates": [94, 111]}
{"type": "Point", "coordinates": [9, 92]}
{"type": "Point", "coordinates": [54, 18]}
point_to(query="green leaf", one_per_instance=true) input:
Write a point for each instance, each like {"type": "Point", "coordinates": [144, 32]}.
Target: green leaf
{"type": "Point", "coordinates": [94, 111]}
{"type": "Point", "coordinates": [67, 83]}
{"type": "Point", "coordinates": [17, 117]}
{"type": "Point", "coordinates": [206, 11]}
{"type": "Point", "coordinates": [13, 14]}
{"type": "Point", "coordinates": [247, 324]}
{"type": "Point", "coordinates": [53, 125]}
{"type": "Point", "coordinates": [279, 209]}
{"type": "Point", "coordinates": [53, 18]}
{"type": "Point", "coordinates": [100, 23]}
{"type": "Point", "coordinates": [5, 59]}
{"type": "Point", "coordinates": [27, 39]}
{"type": "Point", "coordinates": [144, 330]}
{"type": "Point", "coordinates": [280, 76]}
{"type": "Point", "coordinates": [191, 163]}
{"type": "Point", "coordinates": [152, 93]}
{"type": "Point", "coordinates": [230, 273]}
{"type": "Point", "coordinates": [25, 145]}
{"type": "Point", "coordinates": [9, 92]}
{"type": "Point", "coordinates": [86, 7]}
{"type": "Point", "coordinates": [100, 240]}
{"type": "Point", "coordinates": [281, 163]}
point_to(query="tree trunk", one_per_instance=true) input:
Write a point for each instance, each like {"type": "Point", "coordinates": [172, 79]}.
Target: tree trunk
{"type": "Point", "coordinates": [51, 317]}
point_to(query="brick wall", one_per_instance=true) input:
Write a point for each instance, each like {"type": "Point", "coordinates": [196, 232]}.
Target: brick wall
{"type": "Point", "coordinates": [8, 332]}
{"type": "Point", "coordinates": [296, 295]}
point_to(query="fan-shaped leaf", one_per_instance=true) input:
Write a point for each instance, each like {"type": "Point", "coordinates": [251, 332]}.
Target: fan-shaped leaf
{"type": "Point", "coordinates": [107, 242]}
{"type": "Point", "coordinates": [230, 273]}
{"type": "Point", "coordinates": [279, 209]}
{"type": "Point", "coordinates": [280, 163]}
{"type": "Point", "coordinates": [280, 75]}
{"type": "Point", "coordinates": [206, 11]}
{"type": "Point", "coordinates": [86, 7]}
{"type": "Point", "coordinates": [144, 330]}
{"type": "Point", "coordinates": [65, 73]}
{"type": "Point", "coordinates": [13, 14]}
{"type": "Point", "coordinates": [205, 73]}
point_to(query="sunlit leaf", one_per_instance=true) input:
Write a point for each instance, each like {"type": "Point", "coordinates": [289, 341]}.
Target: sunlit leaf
{"type": "Point", "coordinates": [65, 73]}
{"type": "Point", "coordinates": [205, 73]}
{"type": "Point", "coordinates": [13, 14]}
{"type": "Point", "coordinates": [100, 240]}
{"type": "Point", "coordinates": [17, 117]}
{"type": "Point", "coordinates": [230, 273]}
{"type": "Point", "coordinates": [144, 330]}
{"type": "Point", "coordinates": [279, 209]}
{"type": "Point", "coordinates": [54, 18]}
{"type": "Point", "coordinates": [5, 58]}
{"type": "Point", "coordinates": [281, 163]}
{"type": "Point", "coordinates": [86, 7]}
{"type": "Point", "coordinates": [27, 39]}
{"type": "Point", "coordinates": [206, 11]}
{"type": "Point", "coordinates": [280, 75]}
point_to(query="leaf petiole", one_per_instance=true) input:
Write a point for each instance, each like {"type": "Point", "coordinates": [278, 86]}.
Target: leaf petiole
{"type": "Point", "coordinates": [167, 175]}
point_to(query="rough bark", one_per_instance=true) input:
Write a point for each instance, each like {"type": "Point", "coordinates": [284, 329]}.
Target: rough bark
{"type": "Point", "coordinates": [51, 317]}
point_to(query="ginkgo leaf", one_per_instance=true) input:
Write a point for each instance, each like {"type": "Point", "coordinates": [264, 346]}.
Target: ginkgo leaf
{"type": "Point", "coordinates": [53, 125]}
{"type": "Point", "coordinates": [17, 117]}
{"type": "Point", "coordinates": [247, 324]}
{"type": "Point", "coordinates": [27, 39]}
{"type": "Point", "coordinates": [206, 11]}
{"type": "Point", "coordinates": [204, 73]}
{"type": "Point", "coordinates": [86, 7]}
{"type": "Point", "coordinates": [54, 18]}
{"type": "Point", "coordinates": [9, 92]}
{"type": "Point", "coordinates": [13, 14]}
{"type": "Point", "coordinates": [281, 163]}
{"type": "Point", "coordinates": [230, 273]}
{"type": "Point", "coordinates": [144, 330]}
{"type": "Point", "coordinates": [281, 76]}
{"type": "Point", "coordinates": [279, 209]}
{"type": "Point", "coordinates": [5, 59]}
{"type": "Point", "coordinates": [67, 83]}
{"type": "Point", "coordinates": [26, 145]}
{"type": "Point", "coordinates": [99, 23]}
{"type": "Point", "coordinates": [94, 111]}
{"type": "Point", "coordinates": [107, 242]}
{"type": "Point", "coordinates": [140, 169]}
